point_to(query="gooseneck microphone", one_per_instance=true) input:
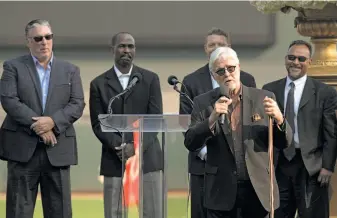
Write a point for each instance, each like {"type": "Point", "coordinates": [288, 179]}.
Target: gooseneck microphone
{"type": "Point", "coordinates": [224, 91]}
{"type": "Point", "coordinates": [173, 81]}
{"type": "Point", "coordinates": [135, 78]}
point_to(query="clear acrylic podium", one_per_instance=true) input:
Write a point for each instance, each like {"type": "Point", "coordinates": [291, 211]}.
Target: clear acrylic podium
{"type": "Point", "coordinates": [139, 125]}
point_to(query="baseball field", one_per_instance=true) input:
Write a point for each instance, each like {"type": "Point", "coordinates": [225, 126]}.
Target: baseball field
{"type": "Point", "coordinates": [89, 205]}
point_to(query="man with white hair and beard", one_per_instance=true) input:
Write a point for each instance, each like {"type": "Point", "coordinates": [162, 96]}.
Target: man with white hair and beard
{"type": "Point", "coordinates": [304, 169]}
{"type": "Point", "coordinates": [197, 83]}
{"type": "Point", "coordinates": [236, 170]}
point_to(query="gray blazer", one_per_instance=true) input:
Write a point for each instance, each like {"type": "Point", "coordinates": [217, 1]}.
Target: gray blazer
{"type": "Point", "coordinates": [316, 121]}
{"type": "Point", "coordinates": [220, 169]}
{"type": "Point", "coordinates": [21, 98]}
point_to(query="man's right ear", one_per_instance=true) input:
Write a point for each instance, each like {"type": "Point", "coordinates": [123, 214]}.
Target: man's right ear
{"type": "Point", "coordinates": [27, 42]}
{"type": "Point", "coordinates": [205, 48]}
{"type": "Point", "coordinates": [112, 49]}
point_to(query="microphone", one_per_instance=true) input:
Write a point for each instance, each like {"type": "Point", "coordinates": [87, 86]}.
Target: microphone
{"type": "Point", "coordinates": [224, 91]}
{"type": "Point", "coordinates": [135, 78]}
{"type": "Point", "coordinates": [173, 81]}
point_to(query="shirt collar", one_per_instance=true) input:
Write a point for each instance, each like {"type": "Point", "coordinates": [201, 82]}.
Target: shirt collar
{"type": "Point", "coordinates": [36, 61]}
{"type": "Point", "coordinates": [120, 74]}
{"type": "Point", "coordinates": [298, 82]}
{"type": "Point", "coordinates": [240, 93]}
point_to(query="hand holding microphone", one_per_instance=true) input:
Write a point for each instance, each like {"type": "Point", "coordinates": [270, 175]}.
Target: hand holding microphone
{"type": "Point", "coordinates": [222, 104]}
{"type": "Point", "coordinates": [221, 107]}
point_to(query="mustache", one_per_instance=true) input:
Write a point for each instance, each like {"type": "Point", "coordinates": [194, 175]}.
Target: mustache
{"type": "Point", "coordinates": [294, 66]}
{"type": "Point", "coordinates": [126, 55]}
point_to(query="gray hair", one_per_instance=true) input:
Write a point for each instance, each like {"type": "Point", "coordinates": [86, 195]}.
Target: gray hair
{"type": "Point", "coordinates": [222, 52]}
{"type": "Point", "coordinates": [32, 24]}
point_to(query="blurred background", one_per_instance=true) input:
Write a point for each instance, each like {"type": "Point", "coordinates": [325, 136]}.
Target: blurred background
{"type": "Point", "coordinates": [169, 38]}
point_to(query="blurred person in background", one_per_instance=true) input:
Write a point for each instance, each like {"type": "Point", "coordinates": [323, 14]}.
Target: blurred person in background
{"type": "Point", "coordinates": [304, 169]}
{"type": "Point", "coordinates": [43, 97]}
{"type": "Point", "coordinates": [144, 98]}
{"type": "Point", "coordinates": [196, 83]}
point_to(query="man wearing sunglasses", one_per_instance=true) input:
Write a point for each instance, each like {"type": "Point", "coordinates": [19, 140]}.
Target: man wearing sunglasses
{"type": "Point", "coordinates": [43, 97]}
{"type": "Point", "coordinates": [304, 169]}
{"type": "Point", "coordinates": [236, 170]}
{"type": "Point", "coordinates": [197, 83]}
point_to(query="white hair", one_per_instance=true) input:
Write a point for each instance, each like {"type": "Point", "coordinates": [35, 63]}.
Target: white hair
{"type": "Point", "coordinates": [222, 52]}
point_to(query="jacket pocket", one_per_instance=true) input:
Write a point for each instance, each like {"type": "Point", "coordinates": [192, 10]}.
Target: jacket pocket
{"type": "Point", "coordinates": [211, 169]}
{"type": "Point", "coordinates": [70, 132]}
{"type": "Point", "coordinates": [10, 126]}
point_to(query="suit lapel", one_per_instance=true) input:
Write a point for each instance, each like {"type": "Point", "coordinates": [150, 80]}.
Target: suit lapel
{"type": "Point", "coordinates": [113, 81]}
{"type": "Point", "coordinates": [308, 92]}
{"type": "Point", "coordinates": [206, 79]}
{"type": "Point", "coordinates": [55, 74]}
{"type": "Point", "coordinates": [246, 113]}
{"type": "Point", "coordinates": [226, 129]}
{"type": "Point", "coordinates": [247, 105]}
{"type": "Point", "coordinates": [279, 93]}
{"type": "Point", "coordinates": [35, 77]}
{"type": "Point", "coordinates": [134, 70]}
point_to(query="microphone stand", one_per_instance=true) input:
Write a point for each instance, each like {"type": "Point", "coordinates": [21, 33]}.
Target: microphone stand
{"type": "Point", "coordinates": [175, 87]}
{"type": "Point", "coordinates": [121, 147]}
{"type": "Point", "coordinates": [117, 97]}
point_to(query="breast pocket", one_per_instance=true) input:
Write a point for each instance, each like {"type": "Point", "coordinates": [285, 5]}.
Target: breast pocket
{"type": "Point", "coordinates": [316, 113]}
{"type": "Point", "coordinates": [259, 130]}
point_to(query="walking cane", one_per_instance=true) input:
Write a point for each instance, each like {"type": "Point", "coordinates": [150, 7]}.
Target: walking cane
{"type": "Point", "coordinates": [271, 165]}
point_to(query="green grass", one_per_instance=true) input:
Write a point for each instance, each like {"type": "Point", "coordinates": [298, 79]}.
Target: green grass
{"type": "Point", "coordinates": [93, 208]}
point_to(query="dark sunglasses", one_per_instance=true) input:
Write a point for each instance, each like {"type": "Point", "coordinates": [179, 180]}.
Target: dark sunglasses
{"type": "Point", "coordinates": [293, 58]}
{"type": "Point", "coordinates": [40, 38]}
{"type": "Point", "coordinates": [222, 71]}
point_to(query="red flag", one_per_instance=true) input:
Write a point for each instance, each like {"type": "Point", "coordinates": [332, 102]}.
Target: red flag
{"type": "Point", "coordinates": [131, 175]}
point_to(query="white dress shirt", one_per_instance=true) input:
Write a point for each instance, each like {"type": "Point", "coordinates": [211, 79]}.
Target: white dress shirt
{"type": "Point", "coordinates": [123, 78]}
{"type": "Point", "coordinates": [203, 152]}
{"type": "Point", "coordinates": [299, 86]}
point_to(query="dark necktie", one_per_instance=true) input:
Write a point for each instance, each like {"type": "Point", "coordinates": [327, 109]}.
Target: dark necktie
{"type": "Point", "coordinates": [290, 152]}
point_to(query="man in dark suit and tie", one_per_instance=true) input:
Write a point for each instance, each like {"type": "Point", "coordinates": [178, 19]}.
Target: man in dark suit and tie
{"type": "Point", "coordinates": [237, 176]}
{"type": "Point", "coordinates": [144, 98]}
{"type": "Point", "coordinates": [304, 169]}
{"type": "Point", "coordinates": [43, 97]}
{"type": "Point", "coordinates": [196, 83]}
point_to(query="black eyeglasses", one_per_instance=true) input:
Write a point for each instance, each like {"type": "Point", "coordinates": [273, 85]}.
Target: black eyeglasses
{"type": "Point", "coordinates": [299, 58]}
{"type": "Point", "coordinates": [40, 38]}
{"type": "Point", "coordinates": [222, 71]}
